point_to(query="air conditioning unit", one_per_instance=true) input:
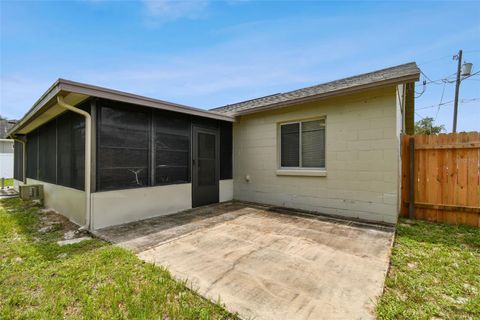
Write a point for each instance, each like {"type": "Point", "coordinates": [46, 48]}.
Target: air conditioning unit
{"type": "Point", "coordinates": [31, 192]}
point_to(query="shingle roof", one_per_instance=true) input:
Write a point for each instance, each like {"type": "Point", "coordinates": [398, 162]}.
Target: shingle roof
{"type": "Point", "coordinates": [392, 75]}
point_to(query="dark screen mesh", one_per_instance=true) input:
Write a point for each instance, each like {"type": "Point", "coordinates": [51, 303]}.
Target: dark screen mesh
{"type": "Point", "coordinates": [18, 161]}
{"type": "Point", "coordinates": [226, 150]}
{"type": "Point", "coordinates": [47, 152]}
{"type": "Point", "coordinates": [137, 144]}
{"type": "Point", "coordinates": [123, 147]}
{"type": "Point", "coordinates": [206, 159]}
{"type": "Point", "coordinates": [290, 144]}
{"type": "Point", "coordinates": [32, 155]}
{"type": "Point", "coordinates": [172, 148]}
{"type": "Point", "coordinates": [66, 165]}
{"type": "Point", "coordinates": [71, 150]}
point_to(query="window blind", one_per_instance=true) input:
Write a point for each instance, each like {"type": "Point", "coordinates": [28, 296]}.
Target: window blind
{"type": "Point", "coordinates": [290, 144]}
{"type": "Point", "coordinates": [303, 144]}
{"type": "Point", "coordinates": [313, 144]}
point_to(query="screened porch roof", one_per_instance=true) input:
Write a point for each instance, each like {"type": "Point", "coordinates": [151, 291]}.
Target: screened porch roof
{"type": "Point", "coordinates": [46, 107]}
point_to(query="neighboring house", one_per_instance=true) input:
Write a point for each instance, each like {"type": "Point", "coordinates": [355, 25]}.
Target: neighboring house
{"type": "Point", "coordinates": [333, 148]}
{"type": "Point", "coordinates": [5, 126]}
{"type": "Point", "coordinates": [6, 158]}
{"type": "Point", "coordinates": [6, 149]}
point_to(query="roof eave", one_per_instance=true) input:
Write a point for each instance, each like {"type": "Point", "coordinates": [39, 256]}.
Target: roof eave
{"type": "Point", "coordinates": [111, 94]}
{"type": "Point", "coordinates": [44, 100]}
{"type": "Point", "coordinates": [336, 93]}
{"type": "Point", "coordinates": [66, 86]}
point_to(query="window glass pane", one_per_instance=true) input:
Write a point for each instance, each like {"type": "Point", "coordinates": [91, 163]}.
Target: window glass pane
{"type": "Point", "coordinates": [123, 148]}
{"type": "Point", "coordinates": [290, 156]}
{"type": "Point", "coordinates": [47, 157]}
{"type": "Point", "coordinates": [313, 144]}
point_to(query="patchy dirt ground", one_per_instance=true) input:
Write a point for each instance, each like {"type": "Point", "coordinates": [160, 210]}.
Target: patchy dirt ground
{"type": "Point", "coordinates": [40, 279]}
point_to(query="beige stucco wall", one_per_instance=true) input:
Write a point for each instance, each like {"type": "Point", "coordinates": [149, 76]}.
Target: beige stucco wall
{"type": "Point", "coordinates": [226, 190]}
{"type": "Point", "coordinates": [121, 206]}
{"type": "Point", "coordinates": [66, 201]}
{"type": "Point", "coordinates": [362, 158]}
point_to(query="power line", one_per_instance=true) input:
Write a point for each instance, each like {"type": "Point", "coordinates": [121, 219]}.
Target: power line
{"type": "Point", "coordinates": [448, 102]}
{"type": "Point", "coordinates": [473, 74]}
{"type": "Point", "coordinates": [438, 81]}
{"type": "Point", "coordinates": [441, 100]}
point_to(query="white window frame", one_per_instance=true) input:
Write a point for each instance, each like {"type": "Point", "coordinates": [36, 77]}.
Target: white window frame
{"type": "Point", "coordinates": [300, 171]}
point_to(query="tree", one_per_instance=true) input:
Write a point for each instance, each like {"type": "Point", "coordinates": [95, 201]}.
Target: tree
{"type": "Point", "coordinates": [425, 126]}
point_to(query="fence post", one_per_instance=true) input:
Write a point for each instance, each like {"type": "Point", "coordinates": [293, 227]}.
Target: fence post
{"type": "Point", "coordinates": [411, 179]}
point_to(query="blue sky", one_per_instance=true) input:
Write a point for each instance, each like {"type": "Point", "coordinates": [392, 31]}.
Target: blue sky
{"type": "Point", "coordinates": [210, 53]}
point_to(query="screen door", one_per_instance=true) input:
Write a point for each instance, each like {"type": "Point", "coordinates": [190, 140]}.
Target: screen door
{"type": "Point", "coordinates": [205, 166]}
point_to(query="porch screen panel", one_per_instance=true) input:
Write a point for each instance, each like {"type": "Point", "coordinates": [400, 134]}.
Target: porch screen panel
{"type": "Point", "coordinates": [290, 145]}
{"type": "Point", "coordinates": [32, 155]}
{"type": "Point", "coordinates": [17, 161]}
{"type": "Point", "coordinates": [172, 148]}
{"type": "Point", "coordinates": [71, 150]}
{"type": "Point", "coordinates": [123, 147]}
{"type": "Point", "coordinates": [47, 157]}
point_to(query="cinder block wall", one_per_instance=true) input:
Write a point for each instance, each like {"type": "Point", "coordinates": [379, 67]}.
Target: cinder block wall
{"type": "Point", "coordinates": [362, 158]}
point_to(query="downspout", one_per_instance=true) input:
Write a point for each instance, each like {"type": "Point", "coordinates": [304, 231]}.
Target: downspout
{"type": "Point", "coordinates": [88, 142]}
{"type": "Point", "coordinates": [24, 151]}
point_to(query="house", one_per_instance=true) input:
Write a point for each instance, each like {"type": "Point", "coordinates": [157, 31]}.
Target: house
{"type": "Point", "coordinates": [6, 158]}
{"type": "Point", "coordinates": [6, 149]}
{"type": "Point", "coordinates": [107, 157]}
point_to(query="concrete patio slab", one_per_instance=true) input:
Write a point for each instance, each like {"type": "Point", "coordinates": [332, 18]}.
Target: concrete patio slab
{"type": "Point", "coordinates": [270, 265]}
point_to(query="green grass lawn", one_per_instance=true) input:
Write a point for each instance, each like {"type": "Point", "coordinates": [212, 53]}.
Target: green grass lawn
{"type": "Point", "coordinates": [88, 280]}
{"type": "Point", "coordinates": [435, 273]}
{"type": "Point", "coordinates": [8, 183]}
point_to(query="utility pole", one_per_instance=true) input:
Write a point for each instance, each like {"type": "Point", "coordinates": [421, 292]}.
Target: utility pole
{"type": "Point", "coordinates": [457, 90]}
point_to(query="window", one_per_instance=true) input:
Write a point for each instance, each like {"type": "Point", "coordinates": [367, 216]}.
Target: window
{"type": "Point", "coordinates": [123, 148]}
{"type": "Point", "coordinates": [302, 144]}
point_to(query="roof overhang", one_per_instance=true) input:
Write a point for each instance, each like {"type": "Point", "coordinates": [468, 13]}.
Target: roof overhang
{"type": "Point", "coordinates": [47, 108]}
{"type": "Point", "coordinates": [328, 95]}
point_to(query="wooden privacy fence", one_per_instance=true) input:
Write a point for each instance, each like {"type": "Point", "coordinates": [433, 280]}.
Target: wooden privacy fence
{"type": "Point", "coordinates": [446, 178]}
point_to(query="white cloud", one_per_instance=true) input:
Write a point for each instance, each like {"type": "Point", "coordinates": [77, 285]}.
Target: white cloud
{"type": "Point", "coordinates": [175, 9]}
